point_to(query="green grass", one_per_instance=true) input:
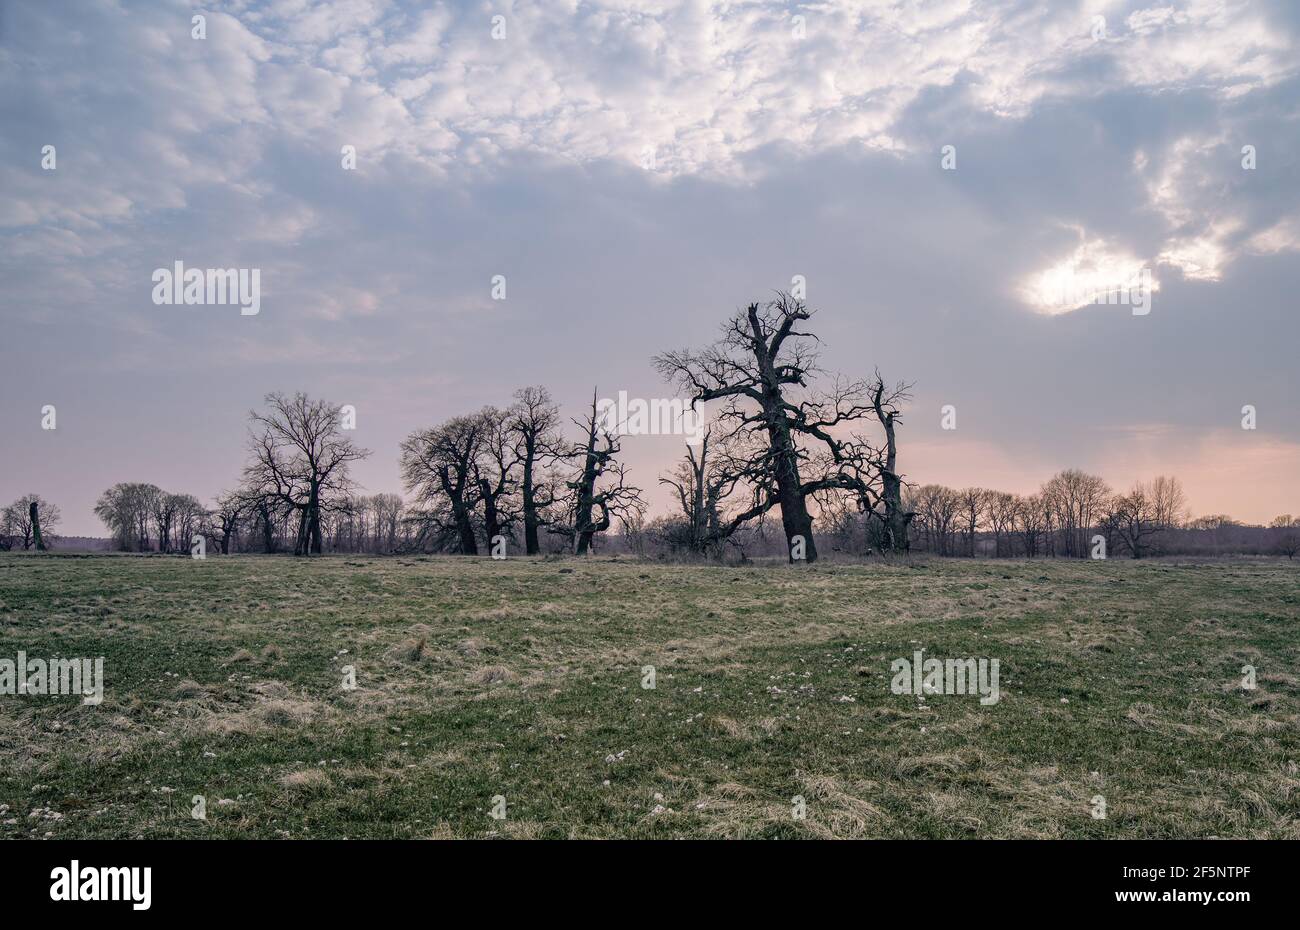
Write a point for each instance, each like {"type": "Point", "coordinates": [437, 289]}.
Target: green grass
{"type": "Point", "coordinates": [1118, 679]}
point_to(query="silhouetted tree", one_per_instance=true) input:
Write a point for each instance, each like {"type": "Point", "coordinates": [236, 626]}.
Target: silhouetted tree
{"type": "Point", "coordinates": [599, 491]}
{"type": "Point", "coordinates": [300, 458]}
{"type": "Point", "coordinates": [761, 368]}
{"type": "Point", "coordinates": [127, 509]}
{"type": "Point", "coordinates": [893, 516]}
{"type": "Point", "coordinates": [24, 518]}
{"type": "Point", "coordinates": [534, 423]}
{"type": "Point", "coordinates": [439, 469]}
{"type": "Point", "coordinates": [496, 470]}
{"type": "Point", "coordinates": [702, 486]}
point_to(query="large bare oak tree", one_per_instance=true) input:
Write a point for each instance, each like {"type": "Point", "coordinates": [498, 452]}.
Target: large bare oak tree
{"type": "Point", "coordinates": [793, 441]}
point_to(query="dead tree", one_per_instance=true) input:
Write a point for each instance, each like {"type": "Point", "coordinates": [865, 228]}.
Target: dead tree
{"type": "Point", "coordinates": [894, 517]}
{"type": "Point", "coordinates": [599, 489]}
{"type": "Point", "coordinates": [702, 487]}
{"type": "Point", "coordinates": [792, 438]}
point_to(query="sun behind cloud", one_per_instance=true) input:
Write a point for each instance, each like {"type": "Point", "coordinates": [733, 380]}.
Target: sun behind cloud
{"type": "Point", "coordinates": [1096, 272]}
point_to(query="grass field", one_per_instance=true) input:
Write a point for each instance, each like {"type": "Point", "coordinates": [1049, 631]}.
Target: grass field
{"type": "Point", "coordinates": [523, 679]}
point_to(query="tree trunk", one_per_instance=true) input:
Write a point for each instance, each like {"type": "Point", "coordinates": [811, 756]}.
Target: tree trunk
{"type": "Point", "coordinates": [33, 511]}
{"type": "Point", "coordinates": [268, 533]}
{"type": "Point", "coordinates": [896, 521]}
{"type": "Point", "coordinates": [465, 528]}
{"type": "Point", "coordinates": [531, 544]}
{"type": "Point", "coordinates": [587, 490]}
{"type": "Point", "coordinates": [491, 519]}
{"type": "Point", "coordinates": [795, 519]}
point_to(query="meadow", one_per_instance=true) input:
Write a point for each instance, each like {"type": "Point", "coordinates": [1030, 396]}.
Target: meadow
{"type": "Point", "coordinates": [480, 680]}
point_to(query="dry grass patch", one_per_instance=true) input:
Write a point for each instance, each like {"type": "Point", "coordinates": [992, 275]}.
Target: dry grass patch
{"type": "Point", "coordinates": [306, 782]}
{"type": "Point", "coordinates": [492, 675]}
{"type": "Point", "coordinates": [188, 690]}
{"type": "Point", "coordinates": [838, 811]}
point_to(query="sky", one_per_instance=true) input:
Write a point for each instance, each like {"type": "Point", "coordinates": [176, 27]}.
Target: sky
{"type": "Point", "coordinates": [954, 183]}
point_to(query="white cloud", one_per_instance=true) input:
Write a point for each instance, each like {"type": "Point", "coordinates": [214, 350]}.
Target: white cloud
{"type": "Point", "coordinates": [1092, 273]}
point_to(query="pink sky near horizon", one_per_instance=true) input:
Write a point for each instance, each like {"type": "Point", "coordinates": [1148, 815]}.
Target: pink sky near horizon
{"type": "Point", "coordinates": [1251, 478]}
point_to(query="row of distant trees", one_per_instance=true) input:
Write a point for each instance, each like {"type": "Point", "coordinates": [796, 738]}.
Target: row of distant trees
{"type": "Point", "coordinates": [1065, 518]}
{"type": "Point", "coordinates": [787, 443]}
{"type": "Point", "coordinates": [499, 476]}
{"type": "Point", "coordinates": [143, 516]}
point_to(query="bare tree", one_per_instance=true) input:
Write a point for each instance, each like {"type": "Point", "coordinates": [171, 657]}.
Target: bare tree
{"type": "Point", "coordinates": [1287, 530]}
{"type": "Point", "coordinates": [229, 513]}
{"type": "Point", "coordinates": [894, 517]}
{"type": "Point", "coordinates": [495, 471]}
{"type": "Point", "coordinates": [438, 468]}
{"type": "Point", "coordinates": [24, 518]}
{"type": "Point", "coordinates": [936, 509]}
{"type": "Point", "coordinates": [1168, 500]}
{"type": "Point", "coordinates": [1140, 516]}
{"type": "Point", "coordinates": [164, 515]}
{"type": "Point", "coordinates": [760, 368]}
{"type": "Point", "coordinates": [388, 512]}
{"type": "Point", "coordinates": [1028, 521]}
{"type": "Point", "coordinates": [127, 509]}
{"type": "Point", "coordinates": [973, 503]}
{"type": "Point", "coordinates": [266, 515]}
{"type": "Point", "coordinates": [534, 422]}
{"type": "Point", "coordinates": [1001, 509]}
{"type": "Point", "coordinates": [1076, 499]}
{"type": "Point", "coordinates": [300, 458]}
{"type": "Point", "coordinates": [599, 490]}
{"type": "Point", "coordinates": [702, 487]}
{"type": "Point", "coordinates": [191, 520]}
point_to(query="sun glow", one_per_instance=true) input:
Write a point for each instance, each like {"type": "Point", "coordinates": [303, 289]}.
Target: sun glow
{"type": "Point", "coordinates": [1094, 273]}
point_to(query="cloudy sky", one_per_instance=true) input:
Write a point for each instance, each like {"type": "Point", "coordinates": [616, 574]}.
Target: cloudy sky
{"type": "Point", "coordinates": [636, 171]}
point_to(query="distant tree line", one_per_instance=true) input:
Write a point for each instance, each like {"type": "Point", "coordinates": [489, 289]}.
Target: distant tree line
{"type": "Point", "coordinates": [142, 517]}
{"type": "Point", "coordinates": [1065, 516]}
{"type": "Point", "coordinates": [1063, 519]}
{"type": "Point", "coordinates": [788, 445]}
